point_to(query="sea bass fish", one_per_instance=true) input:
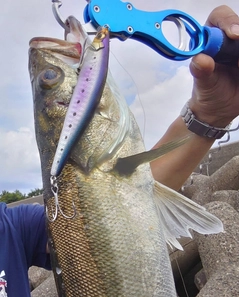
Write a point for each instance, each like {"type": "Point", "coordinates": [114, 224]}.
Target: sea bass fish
{"type": "Point", "coordinates": [115, 243]}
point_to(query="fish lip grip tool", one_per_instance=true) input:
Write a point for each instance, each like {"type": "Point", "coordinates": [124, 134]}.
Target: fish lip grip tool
{"type": "Point", "coordinates": [125, 21]}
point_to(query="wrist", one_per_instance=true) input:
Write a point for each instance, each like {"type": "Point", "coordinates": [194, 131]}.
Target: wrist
{"type": "Point", "coordinates": [199, 127]}
{"type": "Point", "coordinates": [209, 114]}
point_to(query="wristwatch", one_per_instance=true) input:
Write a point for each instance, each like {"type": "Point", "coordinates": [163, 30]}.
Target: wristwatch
{"type": "Point", "coordinates": [201, 128]}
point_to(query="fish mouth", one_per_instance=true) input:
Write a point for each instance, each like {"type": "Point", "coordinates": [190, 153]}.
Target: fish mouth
{"type": "Point", "coordinates": [68, 50]}
{"type": "Point", "coordinates": [74, 31]}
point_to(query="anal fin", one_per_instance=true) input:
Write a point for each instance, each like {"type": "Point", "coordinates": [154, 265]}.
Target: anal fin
{"type": "Point", "coordinates": [178, 214]}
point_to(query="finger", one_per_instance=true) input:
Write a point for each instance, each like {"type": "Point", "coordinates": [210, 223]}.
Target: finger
{"type": "Point", "coordinates": [202, 66]}
{"type": "Point", "coordinates": [226, 19]}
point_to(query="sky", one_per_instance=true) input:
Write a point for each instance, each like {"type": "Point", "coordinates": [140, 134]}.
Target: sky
{"type": "Point", "coordinates": [156, 88]}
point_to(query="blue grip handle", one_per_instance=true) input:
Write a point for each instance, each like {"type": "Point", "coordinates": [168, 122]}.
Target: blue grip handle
{"type": "Point", "coordinates": [220, 47]}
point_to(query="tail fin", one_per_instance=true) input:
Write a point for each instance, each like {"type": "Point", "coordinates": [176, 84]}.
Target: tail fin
{"type": "Point", "coordinates": [178, 214]}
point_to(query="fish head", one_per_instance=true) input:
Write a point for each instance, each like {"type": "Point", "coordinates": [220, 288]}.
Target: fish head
{"type": "Point", "coordinates": [53, 81]}
{"type": "Point", "coordinates": [53, 73]}
{"type": "Point", "coordinates": [53, 77]}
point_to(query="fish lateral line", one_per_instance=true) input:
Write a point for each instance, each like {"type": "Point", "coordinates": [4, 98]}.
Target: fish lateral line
{"type": "Point", "coordinates": [127, 165]}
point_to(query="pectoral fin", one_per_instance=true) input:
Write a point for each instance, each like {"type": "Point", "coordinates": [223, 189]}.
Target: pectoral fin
{"type": "Point", "coordinates": [127, 165]}
{"type": "Point", "coordinates": [178, 214]}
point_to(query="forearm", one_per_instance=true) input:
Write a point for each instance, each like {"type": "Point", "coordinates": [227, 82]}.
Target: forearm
{"type": "Point", "coordinates": [215, 101]}
{"type": "Point", "coordinates": [174, 168]}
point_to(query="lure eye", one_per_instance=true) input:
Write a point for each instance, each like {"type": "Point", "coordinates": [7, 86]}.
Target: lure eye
{"type": "Point", "coordinates": [50, 78]}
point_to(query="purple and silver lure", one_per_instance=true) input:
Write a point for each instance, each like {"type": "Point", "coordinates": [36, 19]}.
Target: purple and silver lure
{"type": "Point", "coordinates": [86, 95]}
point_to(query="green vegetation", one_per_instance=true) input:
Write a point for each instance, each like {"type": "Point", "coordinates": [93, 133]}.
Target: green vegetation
{"type": "Point", "coordinates": [35, 192]}
{"type": "Point", "coordinates": [9, 197]}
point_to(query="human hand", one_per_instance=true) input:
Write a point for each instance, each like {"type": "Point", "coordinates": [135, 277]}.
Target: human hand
{"type": "Point", "coordinates": [215, 95]}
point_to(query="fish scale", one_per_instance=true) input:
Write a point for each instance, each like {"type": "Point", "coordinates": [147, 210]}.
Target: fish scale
{"type": "Point", "coordinates": [74, 278]}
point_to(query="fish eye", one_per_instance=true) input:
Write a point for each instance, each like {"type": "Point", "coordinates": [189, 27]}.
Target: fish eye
{"type": "Point", "coordinates": [50, 74]}
{"type": "Point", "coordinates": [50, 78]}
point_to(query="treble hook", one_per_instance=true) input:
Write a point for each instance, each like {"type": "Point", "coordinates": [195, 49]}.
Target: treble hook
{"type": "Point", "coordinates": [54, 189]}
{"type": "Point", "coordinates": [56, 4]}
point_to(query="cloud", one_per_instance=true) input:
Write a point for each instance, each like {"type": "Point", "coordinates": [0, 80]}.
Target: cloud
{"type": "Point", "coordinates": [20, 164]}
{"type": "Point", "coordinates": [160, 105]}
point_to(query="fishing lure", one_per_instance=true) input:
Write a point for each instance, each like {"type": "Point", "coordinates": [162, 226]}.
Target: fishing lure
{"type": "Point", "coordinates": [86, 95]}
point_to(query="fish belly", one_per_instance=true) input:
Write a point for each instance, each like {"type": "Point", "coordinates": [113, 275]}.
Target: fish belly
{"type": "Point", "coordinates": [114, 246]}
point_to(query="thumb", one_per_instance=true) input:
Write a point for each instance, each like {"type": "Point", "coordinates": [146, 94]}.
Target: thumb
{"type": "Point", "coordinates": [202, 66]}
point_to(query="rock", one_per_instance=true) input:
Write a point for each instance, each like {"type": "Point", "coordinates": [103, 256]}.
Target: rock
{"type": "Point", "coordinates": [184, 260]}
{"type": "Point", "coordinates": [229, 196]}
{"type": "Point", "coordinates": [225, 178]}
{"type": "Point", "coordinates": [47, 288]}
{"type": "Point", "coordinates": [37, 276]}
{"type": "Point", "coordinates": [222, 283]}
{"type": "Point", "coordinates": [200, 279]}
{"type": "Point", "coordinates": [186, 286]}
{"type": "Point", "coordinates": [220, 254]}
{"type": "Point", "coordinates": [217, 157]}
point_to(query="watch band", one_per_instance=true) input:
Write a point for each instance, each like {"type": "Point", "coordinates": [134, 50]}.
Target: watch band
{"type": "Point", "coordinates": [201, 128]}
